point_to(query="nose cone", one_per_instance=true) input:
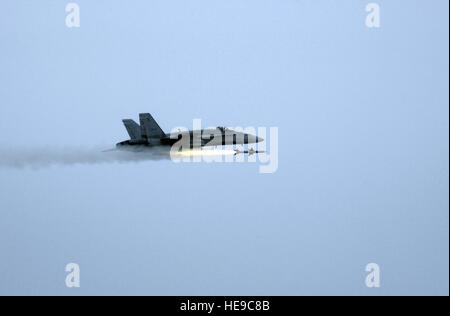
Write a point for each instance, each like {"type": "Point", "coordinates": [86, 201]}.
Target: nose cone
{"type": "Point", "coordinates": [251, 139]}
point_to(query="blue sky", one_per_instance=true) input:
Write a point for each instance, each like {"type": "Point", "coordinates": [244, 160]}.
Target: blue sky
{"type": "Point", "coordinates": [363, 128]}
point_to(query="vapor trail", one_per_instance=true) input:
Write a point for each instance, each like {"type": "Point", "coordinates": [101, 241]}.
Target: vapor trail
{"type": "Point", "coordinates": [35, 157]}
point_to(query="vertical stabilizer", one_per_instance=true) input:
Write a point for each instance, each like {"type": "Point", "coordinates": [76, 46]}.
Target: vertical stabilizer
{"type": "Point", "coordinates": [149, 127]}
{"type": "Point", "coordinates": [133, 129]}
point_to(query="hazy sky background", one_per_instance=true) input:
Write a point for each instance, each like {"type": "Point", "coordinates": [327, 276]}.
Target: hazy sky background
{"type": "Point", "coordinates": [363, 147]}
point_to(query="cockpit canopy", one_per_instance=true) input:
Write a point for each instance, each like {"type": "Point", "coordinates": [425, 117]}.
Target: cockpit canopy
{"type": "Point", "coordinates": [222, 129]}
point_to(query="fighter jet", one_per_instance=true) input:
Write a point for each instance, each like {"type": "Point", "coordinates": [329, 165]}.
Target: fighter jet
{"type": "Point", "coordinates": [149, 134]}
